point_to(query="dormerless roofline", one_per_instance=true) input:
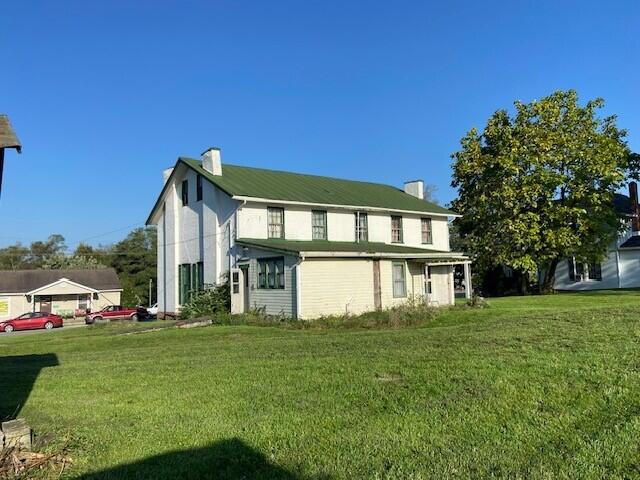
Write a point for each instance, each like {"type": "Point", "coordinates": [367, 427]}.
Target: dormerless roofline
{"type": "Point", "coordinates": [180, 161]}
{"type": "Point", "coordinates": [345, 207]}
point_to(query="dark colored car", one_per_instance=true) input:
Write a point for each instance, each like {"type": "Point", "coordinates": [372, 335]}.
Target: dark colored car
{"type": "Point", "coordinates": [32, 321]}
{"type": "Point", "coordinates": [112, 312]}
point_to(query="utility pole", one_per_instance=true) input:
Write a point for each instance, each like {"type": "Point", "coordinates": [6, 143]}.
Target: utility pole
{"type": "Point", "coordinates": [150, 288]}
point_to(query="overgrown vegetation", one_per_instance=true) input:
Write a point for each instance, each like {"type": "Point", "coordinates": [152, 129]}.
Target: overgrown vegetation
{"type": "Point", "coordinates": [532, 387]}
{"type": "Point", "coordinates": [212, 301]}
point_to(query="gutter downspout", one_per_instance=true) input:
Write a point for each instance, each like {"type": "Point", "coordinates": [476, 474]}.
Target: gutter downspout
{"type": "Point", "coordinates": [618, 268]}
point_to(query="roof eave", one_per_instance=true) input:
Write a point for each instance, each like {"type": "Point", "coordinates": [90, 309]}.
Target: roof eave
{"type": "Point", "coordinates": [246, 198]}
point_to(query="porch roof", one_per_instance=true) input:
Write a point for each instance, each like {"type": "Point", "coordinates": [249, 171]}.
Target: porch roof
{"type": "Point", "coordinates": [324, 248]}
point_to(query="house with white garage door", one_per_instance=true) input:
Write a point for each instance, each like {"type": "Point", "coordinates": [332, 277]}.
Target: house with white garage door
{"type": "Point", "coordinates": [299, 245]}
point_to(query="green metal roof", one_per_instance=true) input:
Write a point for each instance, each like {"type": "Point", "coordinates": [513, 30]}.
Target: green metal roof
{"type": "Point", "coordinates": [297, 187]}
{"type": "Point", "coordinates": [296, 246]}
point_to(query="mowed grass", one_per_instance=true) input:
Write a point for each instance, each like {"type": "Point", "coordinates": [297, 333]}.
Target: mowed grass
{"type": "Point", "coordinates": [532, 387]}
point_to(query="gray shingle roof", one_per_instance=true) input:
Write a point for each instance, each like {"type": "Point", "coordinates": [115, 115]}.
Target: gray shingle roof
{"type": "Point", "coordinates": [22, 281]}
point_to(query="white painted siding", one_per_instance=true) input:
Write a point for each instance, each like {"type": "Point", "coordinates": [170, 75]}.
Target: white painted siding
{"type": "Point", "coordinates": [336, 287]}
{"type": "Point", "coordinates": [252, 223]}
{"type": "Point", "coordinates": [630, 268]}
{"type": "Point", "coordinates": [201, 231]}
{"type": "Point", "coordinates": [609, 276]}
{"type": "Point", "coordinates": [339, 286]}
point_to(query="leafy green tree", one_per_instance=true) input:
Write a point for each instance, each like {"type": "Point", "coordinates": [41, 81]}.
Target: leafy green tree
{"type": "Point", "coordinates": [134, 259]}
{"type": "Point", "coordinates": [538, 186]}
{"type": "Point", "coordinates": [66, 262]}
{"type": "Point", "coordinates": [14, 257]}
{"type": "Point", "coordinates": [40, 251]}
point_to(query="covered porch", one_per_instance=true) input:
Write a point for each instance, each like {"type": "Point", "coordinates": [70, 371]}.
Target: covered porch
{"type": "Point", "coordinates": [63, 297]}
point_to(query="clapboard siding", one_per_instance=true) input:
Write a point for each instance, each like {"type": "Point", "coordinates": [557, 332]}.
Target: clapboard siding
{"type": "Point", "coordinates": [336, 287]}
{"type": "Point", "coordinates": [274, 301]}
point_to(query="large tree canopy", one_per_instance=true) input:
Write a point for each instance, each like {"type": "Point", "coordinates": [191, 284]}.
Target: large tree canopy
{"type": "Point", "coordinates": [538, 186]}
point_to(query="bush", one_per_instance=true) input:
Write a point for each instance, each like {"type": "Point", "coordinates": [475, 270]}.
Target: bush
{"type": "Point", "coordinates": [476, 301]}
{"type": "Point", "coordinates": [209, 302]}
{"type": "Point", "coordinates": [413, 312]}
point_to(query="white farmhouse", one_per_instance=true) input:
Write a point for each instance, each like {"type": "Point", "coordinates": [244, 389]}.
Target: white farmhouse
{"type": "Point", "coordinates": [298, 245]}
{"type": "Point", "coordinates": [621, 266]}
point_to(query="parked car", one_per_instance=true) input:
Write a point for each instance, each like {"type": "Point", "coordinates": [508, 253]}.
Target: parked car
{"type": "Point", "coordinates": [112, 312]}
{"type": "Point", "coordinates": [32, 321]}
{"type": "Point", "coordinates": [153, 310]}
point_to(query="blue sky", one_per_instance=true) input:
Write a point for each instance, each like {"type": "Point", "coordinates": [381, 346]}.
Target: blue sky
{"type": "Point", "coordinates": [104, 95]}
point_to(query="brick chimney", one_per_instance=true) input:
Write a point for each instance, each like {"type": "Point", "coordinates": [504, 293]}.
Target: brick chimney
{"type": "Point", "coordinates": [635, 210]}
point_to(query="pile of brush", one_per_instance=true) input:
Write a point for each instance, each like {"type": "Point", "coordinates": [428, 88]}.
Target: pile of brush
{"type": "Point", "coordinates": [16, 463]}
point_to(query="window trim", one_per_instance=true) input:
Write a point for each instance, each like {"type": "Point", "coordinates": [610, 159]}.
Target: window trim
{"type": "Point", "coordinates": [199, 188]}
{"type": "Point", "coordinates": [404, 279]}
{"type": "Point", "coordinates": [184, 192]}
{"type": "Point", "coordinates": [399, 229]}
{"type": "Point", "coordinates": [274, 267]}
{"type": "Point", "coordinates": [428, 221]}
{"type": "Point", "coordinates": [269, 224]}
{"type": "Point", "coordinates": [358, 215]}
{"type": "Point", "coordinates": [581, 271]}
{"type": "Point", "coordinates": [325, 235]}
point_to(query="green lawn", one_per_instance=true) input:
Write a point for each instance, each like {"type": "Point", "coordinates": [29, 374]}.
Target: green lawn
{"type": "Point", "coordinates": [534, 387]}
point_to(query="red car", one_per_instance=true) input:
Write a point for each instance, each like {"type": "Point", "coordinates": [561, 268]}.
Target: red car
{"type": "Point", "coordinates": [31, 321]}
{"type": "Point", "coordinates": [112, 312]}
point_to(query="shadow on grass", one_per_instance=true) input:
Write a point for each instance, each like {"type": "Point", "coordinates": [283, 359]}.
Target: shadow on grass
{"type": "Point", "coordinates": [228, 459]}
{"type": "Point", "coordinates": [18, 374]}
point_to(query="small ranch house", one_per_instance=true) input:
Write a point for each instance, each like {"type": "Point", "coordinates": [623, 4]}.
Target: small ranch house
{"type": "Point", "coordinates": [299, 245]}
{"type": "Point", "coordinates": [64, 292]}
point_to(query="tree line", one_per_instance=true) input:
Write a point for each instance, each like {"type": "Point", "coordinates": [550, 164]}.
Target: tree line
{"type": "Point", "coordinates": [133, 258]}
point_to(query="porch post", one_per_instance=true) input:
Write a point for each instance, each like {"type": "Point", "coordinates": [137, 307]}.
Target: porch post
{"type": "Point", "coordinates": [468, 288]}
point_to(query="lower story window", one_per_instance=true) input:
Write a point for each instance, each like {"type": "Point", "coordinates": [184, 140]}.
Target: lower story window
{"type": "Point", "coordinates": [83, 301]}
{"type": "Point", "coordinates": [399, 283]}
{"type": "Point", "coordinates": [271, 273]}
{"type": "Point", "coordinates": [190, 280]}
{"type": "Point", "coordinates": [579, 272]}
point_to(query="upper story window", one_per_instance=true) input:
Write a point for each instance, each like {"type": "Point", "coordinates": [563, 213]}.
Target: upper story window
{"type": "Point", "coordinates": [185, 192]}
{"type": "Point", "coordinates": [199, 188]}
{"type": "Point", "coordinates": [275, 222]}
{"type": "Point", "coordinates": [427, 235]}
{"type": "Point", "coordinates": [396, 229]}
{"type": "Point", "coordinates": [362, 227]}
{"type": "Point", "coordinates": [318, 224]}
